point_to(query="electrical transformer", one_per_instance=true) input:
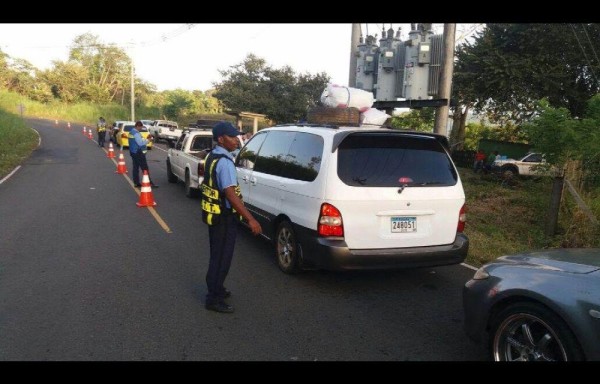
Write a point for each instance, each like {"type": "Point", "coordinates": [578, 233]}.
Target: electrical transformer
{"type": "Point", "coordinates": [401, 69]}
{"type": "Point", "coordinates": [366, 64]}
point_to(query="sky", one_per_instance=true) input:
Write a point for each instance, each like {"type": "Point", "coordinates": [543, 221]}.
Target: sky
{"type": "Point", "coordinates": [188, 56]}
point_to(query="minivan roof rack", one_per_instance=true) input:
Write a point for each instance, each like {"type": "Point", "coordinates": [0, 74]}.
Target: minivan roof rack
{"type": "Point", "coordinates": [308, 125]}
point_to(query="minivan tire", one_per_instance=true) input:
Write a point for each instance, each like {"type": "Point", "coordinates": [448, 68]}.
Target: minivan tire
{"type": "Point", "coordinates": [286, 248]}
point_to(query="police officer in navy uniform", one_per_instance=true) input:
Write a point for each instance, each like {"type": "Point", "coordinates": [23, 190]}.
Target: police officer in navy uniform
{"type": "Point", "coordinates": [137, 151]}
{"type": "Point", "coordinates": [222, 210]}
{"type": "Point", "coordinates": [101, 129]}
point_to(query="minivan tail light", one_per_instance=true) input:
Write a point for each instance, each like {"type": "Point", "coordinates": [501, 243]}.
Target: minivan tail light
{"type": "Point", "coordinates": [330, 221]}
{"type": "Point", "coordinates": [462, 218]}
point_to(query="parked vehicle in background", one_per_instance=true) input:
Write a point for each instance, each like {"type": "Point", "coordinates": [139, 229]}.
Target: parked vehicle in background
{"type": "Point", "coordinates": [116, 127]}
{"type": "Point", "coordinates": [529, 165]}
{"type": "Point", "coordinates": [345, 198]}
{"type": "Point", "coordinates": [537, 306]}
{"type": "Point", "coordinates": [165, 130]}
{"type": "Point", "coordinates": [147, 123]}
{"type": "Point", "coordinates": [185, 158]}
{"type": "Point", "coordinates": [123, 135]}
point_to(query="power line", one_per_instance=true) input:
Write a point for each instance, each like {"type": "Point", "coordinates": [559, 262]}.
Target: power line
{"type": "Point", "coordinates": [590, 41]}
{"type": "Point", "coordinates": [584, 54]}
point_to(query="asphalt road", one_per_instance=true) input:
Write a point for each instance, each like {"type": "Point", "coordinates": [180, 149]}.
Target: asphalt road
{"type": "Point", "coordinates": [87, 275]}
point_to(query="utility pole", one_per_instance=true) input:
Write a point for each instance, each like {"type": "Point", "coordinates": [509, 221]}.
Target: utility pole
{"type": "Point", "coordinates": [441, 115]}
{"type": "Point", "coordinates": [353, 50]}
{"type": "Point", "coordinates": [132, 93]}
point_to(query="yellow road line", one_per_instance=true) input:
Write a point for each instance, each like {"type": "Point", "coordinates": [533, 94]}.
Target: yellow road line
{"type": "Point", "coordinates": [157, 217]}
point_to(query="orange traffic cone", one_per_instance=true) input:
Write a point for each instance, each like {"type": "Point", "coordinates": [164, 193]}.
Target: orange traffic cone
{"type": "Point", "coordinates": [111, 151]}
{"type": "Point", "coordinates": [146, 197]}
{"type": "Point", "coordinates": [55, 122]}
{"type": "Point", "coordinates": [69, 125]}
{"type": "Point", "coordinates": [84, 131]}
{"type": "Point", "coordinates": [121, 167]}
{"type": "Point", "coordinates": [90, 134]}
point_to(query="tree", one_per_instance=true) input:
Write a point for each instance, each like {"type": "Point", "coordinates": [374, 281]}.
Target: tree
{"type": "Point", "coordinates": [66, 79]}
{"type": "Point", "coordinates": [509, 67]}
{"type": "Point", "coordinates": [280, 94]}
{"type": "Point", "coordinates": [415, 119]}
{"type": "Point", "coordinates": [108, 68]}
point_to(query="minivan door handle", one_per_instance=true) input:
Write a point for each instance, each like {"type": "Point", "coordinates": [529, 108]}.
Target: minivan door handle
{"type": "Point", "coordinates": [245, 178]}
{"type": "Point", "coordinates": [253, 181]}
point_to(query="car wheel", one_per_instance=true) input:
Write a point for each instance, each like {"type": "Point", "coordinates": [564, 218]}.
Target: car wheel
{"type": "Point", "coordinates": [189, 191]}
{"type": "Point", "coordinates": [509, 172]}
{"type": "Point", "coordinates": [170, 175]}
{"type": "Point", "coordinates": [286, 248]}
{"type": "Point", "coordinates": [531, 332]}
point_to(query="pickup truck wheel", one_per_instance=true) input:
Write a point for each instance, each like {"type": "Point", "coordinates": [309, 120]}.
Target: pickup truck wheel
{"type": "Point", "coordinates": [189, 191]}
{"type": "Point", "coordinates": [170, 175]}
{"type": "Point", "coordinates": [286, 249]}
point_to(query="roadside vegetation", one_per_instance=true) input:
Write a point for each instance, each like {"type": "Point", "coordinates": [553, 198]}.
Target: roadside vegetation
{"type": "Point", "coordinates": [505, 218]}
{"type": "Point", "coordinates": [16, 141]}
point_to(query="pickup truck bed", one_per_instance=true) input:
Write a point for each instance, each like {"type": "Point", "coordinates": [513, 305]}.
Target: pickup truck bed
{"type": "Point", "coordinates": [185, 160]}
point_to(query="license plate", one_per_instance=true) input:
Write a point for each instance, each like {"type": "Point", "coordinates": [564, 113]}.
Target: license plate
{"type": "Point", "coordinates": [404, 224]}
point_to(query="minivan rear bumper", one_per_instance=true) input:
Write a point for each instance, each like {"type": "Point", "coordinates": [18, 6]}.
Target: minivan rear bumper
{"type": "Point", "coordinates": [334, 255]}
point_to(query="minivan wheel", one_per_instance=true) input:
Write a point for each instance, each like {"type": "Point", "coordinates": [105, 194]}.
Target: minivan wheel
{"type": "Point", "coordinates": [286, 248]}
{"type": "Point", "coordinates": [531, 332]}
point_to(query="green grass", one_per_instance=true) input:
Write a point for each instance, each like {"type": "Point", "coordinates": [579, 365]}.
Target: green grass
{"type": "Point", "coordinates": [509, 219]}
{"type": "Point", "coordinates": [16, 141]}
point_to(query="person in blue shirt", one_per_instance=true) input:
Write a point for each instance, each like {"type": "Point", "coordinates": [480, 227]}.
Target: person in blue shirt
{"type": "Point", "coordinates": [137, 151]}
{"type": "Point", "coordinates": [222, 210]}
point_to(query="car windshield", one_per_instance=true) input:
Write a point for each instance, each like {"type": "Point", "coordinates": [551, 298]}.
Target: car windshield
{"type": "Point", "coordinates": [390, 160]}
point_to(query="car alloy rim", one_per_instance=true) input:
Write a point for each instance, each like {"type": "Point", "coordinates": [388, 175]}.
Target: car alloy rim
{"type": "Point", "coordinates": [525, 337]}
{"type": "Point", "coordinates": [284, 247]}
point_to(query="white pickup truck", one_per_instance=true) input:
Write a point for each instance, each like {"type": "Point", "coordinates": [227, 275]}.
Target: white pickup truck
{"type": "Point", "coordinates": [529, 165]}
{"type": "Point", "coordinates": [165, 130]}
{"type": "Point", "coordinates": [185, 159]}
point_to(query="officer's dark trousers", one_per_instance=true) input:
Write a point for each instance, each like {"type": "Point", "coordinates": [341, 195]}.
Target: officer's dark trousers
{"type": "Point", "coordinates": [139, 161]}
{"type": "Point", "coordinates": [222, 242]}
{"type": "Point", "coordinates": [101, 138]}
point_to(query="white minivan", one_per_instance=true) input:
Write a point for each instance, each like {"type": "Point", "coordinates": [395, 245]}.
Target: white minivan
{"type": "Point", "coordinates": [343, 198]}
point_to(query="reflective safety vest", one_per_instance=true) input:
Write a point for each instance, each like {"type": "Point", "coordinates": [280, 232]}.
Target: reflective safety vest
{"type": "Point", "coordinates": [213, 201]}
{"type": "Point", "coordinates": [101, 127]}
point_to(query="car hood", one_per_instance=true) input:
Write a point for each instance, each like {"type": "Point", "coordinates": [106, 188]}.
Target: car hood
{"type": "Point", "coordinates": [572, 260]}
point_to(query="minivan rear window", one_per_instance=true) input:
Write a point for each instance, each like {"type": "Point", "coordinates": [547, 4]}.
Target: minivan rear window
{"type": "Point", "coordinates": [390, 160]}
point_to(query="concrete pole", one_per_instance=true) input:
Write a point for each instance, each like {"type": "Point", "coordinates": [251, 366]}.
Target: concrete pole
{"type": "Point", "coordinates": [441, 115]}
{"type": "Point", "coordinates": [132, 93]}
{"type": "Point", "coordinates": [354, 40]}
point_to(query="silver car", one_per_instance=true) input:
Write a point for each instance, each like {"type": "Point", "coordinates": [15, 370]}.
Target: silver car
{"type": "Point", "coordinates": [537, 306]}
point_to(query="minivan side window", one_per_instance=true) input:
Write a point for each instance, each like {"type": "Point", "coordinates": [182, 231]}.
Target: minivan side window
{"type": "Point", "coordinates": [304, 159]}
{"type": "Point", "coordinates": [247, 156]}
{"type": "Point", "coordinates": [377, 160]}
{"type": "Point", "coordinates": [272, 154]}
